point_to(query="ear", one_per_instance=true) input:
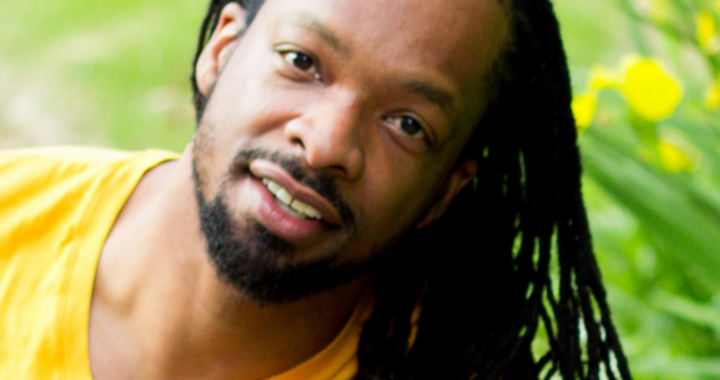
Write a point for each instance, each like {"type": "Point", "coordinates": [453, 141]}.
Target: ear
{"type": "Point", "coordinates": [460, 176]}
{"type": "Point", "coordinates": [219, 47]}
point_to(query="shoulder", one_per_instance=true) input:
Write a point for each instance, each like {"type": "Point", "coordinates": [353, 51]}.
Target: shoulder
{"type": "Point", "coordinates": [76, 157]}
{"type": "Point", "coordinates": [41, 183]}
{"type": "Point", "coordinates": [44, 167]}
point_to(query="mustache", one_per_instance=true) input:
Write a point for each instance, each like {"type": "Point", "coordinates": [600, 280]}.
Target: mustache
{"type": "Point", "coordinates": [321, 183]}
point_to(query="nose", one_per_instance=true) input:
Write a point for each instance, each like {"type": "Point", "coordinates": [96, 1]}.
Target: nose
{"type": "Point", "coordinates": [330, 134]}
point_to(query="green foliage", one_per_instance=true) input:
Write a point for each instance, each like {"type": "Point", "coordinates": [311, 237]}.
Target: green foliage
{"type": "Point", "coordinates": [112, 73]}
{"type": "Point", "coordinates": [115, 73]}
{"type": "Point", "coordinates": [652, 181]}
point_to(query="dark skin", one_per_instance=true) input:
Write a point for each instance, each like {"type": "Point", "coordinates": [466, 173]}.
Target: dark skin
{"type": "Point", "coordinates": [133, 335]}
{"type": "Point", "coordinates": [384, 107]}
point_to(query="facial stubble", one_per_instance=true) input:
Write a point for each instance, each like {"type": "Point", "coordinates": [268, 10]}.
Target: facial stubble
{"type": "Point", "coordinates": [258, 263]}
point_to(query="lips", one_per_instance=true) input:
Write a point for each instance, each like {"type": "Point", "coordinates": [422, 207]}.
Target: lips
{"type": "Point", "coordinates": [298, 209]}
{"type": "Point", "coordinates": [302, 202]}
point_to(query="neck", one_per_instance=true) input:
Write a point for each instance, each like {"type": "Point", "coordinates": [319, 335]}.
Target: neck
{"type": "Point", "coordinates": [159, 309]}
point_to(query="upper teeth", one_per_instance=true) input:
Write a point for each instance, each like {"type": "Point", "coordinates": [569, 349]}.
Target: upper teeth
{"type": "Point", "coordinates": [285, 198]}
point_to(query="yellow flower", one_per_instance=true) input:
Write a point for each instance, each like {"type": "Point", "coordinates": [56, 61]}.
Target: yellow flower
{"type": "Point", "coordinates": [658, 10]}
{"type": "Point", "coordinates": [673, 159]}
{"type": "Point", "coordinates": [602, 78]}
{"type": "Point", "coordinates": [712, 97]}
{"type": "Point", "coordinates": [583, 107]}
{"type": "Point", "coordinates": [707, 33]}
{"type": "Point", "coordinates": [650, 91]}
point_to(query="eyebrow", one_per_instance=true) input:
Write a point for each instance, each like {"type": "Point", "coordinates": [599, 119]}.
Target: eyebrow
{"type": "Point", "coordinates": [429, 91]}
{"type": "Point", "coordinates": [308, 22]}
{"type": "Point", "coordinates": [433, 94]}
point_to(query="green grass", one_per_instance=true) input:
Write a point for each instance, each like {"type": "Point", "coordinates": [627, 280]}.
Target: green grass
{"type": "Point", "coordinates": [112, 73]}
{"type": "Point", "coordinates": [116, 74]}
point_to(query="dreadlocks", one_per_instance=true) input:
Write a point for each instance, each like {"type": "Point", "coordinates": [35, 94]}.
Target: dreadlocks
{"type": "Point", "coordinates": [466, 297]}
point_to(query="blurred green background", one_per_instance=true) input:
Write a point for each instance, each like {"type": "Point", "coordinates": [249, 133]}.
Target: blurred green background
{"type": "Point", "coordinates": [645, 75]}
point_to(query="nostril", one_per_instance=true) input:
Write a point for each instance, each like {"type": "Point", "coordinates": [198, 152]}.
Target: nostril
{"type": "Point", "coordinates": [297, 141]}
{"type": "Point", "coordinates": [340, 169]}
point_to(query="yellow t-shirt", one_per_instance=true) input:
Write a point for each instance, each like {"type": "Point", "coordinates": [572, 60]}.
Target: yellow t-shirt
{"type": "Point", "coordinates": [57, 207]}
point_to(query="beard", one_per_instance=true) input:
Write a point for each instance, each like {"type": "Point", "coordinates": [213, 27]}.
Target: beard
{"type": "Point", "coordinates": [255, 261]}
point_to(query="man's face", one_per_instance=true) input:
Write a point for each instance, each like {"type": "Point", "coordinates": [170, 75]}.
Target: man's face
{"type": "Point", "coordinates": [334, 128]}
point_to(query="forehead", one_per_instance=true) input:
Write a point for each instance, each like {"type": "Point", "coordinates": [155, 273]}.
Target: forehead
{"type": "Point", "coordinates": [454, 42]}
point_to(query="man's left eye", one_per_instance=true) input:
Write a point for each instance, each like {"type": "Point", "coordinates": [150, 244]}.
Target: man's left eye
{"type": "Point", "coordinates": [302, 62]}
{"type": "Point", "coordinates": [409, 125]}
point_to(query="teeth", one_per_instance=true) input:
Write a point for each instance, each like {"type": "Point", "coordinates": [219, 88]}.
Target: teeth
{"type": "Point", "coordinates": [286, 199]}
{"type": "Point", "coordinates": [291, 212]}
{"type": "Point", "coordinates": [304, 209]}
{"type": "Point", "coordinates": [274, 187]}
{"type": "Point", "coordinates": [283, 196]}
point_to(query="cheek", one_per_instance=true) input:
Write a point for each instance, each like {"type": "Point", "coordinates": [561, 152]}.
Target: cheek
{"type": "Point", "coordinates": [398, 198]}
{"type": "Point", "coordinates": [256, 100]}
{"type": "Point", "coordinates": [205, 159]}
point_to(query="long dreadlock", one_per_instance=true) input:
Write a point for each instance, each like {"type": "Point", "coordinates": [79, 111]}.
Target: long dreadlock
{"type": "Point", "coordinates": [466, 297]}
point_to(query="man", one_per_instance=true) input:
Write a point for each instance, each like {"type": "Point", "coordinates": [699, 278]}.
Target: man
{"type": "Point", "coordinates": [373, 191]}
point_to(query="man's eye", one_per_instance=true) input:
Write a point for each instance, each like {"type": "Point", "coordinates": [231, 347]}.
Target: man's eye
{"type": "Point", "coordinates": [409, 125]}
{"type": "Point", "coordinates": [302, 62]}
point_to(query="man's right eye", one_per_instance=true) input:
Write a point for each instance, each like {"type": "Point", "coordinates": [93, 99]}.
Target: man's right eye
{"type": "Point", "coordinates": [302, 62]}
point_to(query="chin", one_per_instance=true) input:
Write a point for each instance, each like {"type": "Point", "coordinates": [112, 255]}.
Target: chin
{"type": "Point", "coordinates": [259, 264]}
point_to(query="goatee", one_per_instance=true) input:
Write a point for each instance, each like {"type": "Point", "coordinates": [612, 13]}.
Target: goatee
{"type": "Point", "coordinates": [258, 263]}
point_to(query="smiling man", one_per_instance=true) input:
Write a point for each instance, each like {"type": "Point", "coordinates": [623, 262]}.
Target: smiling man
{"type": "Point", "coordinates": [374, 191]}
